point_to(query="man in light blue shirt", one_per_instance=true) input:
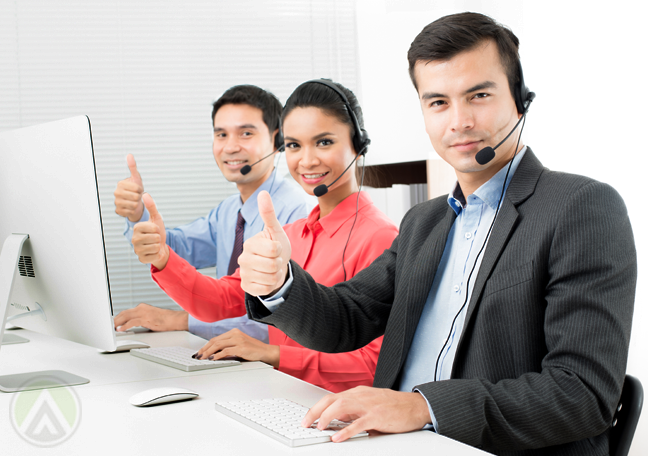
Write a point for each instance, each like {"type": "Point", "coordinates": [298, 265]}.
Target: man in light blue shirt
{"type": "Point", "coordinates": [246, 129]}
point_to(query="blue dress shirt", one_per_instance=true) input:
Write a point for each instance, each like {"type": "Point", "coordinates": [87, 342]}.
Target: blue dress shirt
{"type": "Point", "coordinates": [448, 293]}
{"type": "Point", "coordinates": [209, 241]}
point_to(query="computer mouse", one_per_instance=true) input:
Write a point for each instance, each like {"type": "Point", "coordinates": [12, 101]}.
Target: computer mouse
{"type": "Point", "coordinates": [162, 395]}
{"type": "Point", "coordinates": [127, 345]}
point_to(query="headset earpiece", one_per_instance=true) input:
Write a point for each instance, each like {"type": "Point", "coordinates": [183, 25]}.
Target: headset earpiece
{"type": "Point", "coordinates": [279, 140]}
{"type": "Point", "coordinates": [523, 96]}
{"type": "Point", "coordinates": [361, 141]}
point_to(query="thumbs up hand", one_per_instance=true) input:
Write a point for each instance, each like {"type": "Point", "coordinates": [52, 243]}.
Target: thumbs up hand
{"type": "Point", "coordinates": [128, 195]}
{"type": "Point", "coordinates": [149, 238]}
{"type": "Point", "coordinates": [264, 261]}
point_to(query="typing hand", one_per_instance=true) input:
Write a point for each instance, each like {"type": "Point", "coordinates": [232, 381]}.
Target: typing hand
{"type": "Point", "coordinates": [236, 343]}
{"type": "Point", "coordinates": [128, 194]}
{"type": "Point", "coordinates": [377, 409]}
{"type": "Point", "coordinates": [149, 238]}
{"type": "Point", "coordinates": [153, 318]}
{"type": "Point", "coordinates": [264, 261]}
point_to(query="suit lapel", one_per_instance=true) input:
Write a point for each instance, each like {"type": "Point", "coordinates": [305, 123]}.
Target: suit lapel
{"type": "Point", "coordinates": [424, 253]}
{"type": "Point", "coordinates": [519, 190]}
{"type": "Point", "coordinates": [503, 227]}
{"type": "Point", "coordinates": [422, 272]}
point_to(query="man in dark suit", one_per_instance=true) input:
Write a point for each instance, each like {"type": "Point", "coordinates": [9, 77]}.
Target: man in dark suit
{"type": "Point", "coordinates": [506, 325]}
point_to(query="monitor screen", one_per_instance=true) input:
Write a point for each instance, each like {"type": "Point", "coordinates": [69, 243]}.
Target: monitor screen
{"type": "Point", "coordinates": [48, 190]}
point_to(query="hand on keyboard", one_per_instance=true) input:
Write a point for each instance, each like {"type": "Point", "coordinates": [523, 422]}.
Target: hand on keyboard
{"type": "Point", "coordinates": [280, 419]}
{"type": "Point", "coordinates": [236, 343]}
{"type": "Point", "coordinates": [383, 410]}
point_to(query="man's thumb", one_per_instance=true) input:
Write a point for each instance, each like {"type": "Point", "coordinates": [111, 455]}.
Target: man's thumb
{"type": "Point", "coordinates": [150, 205]}
{"type": "Point", "coordinates": [135, 175]}
{"type": "Point", "coordinates": [267, 213]}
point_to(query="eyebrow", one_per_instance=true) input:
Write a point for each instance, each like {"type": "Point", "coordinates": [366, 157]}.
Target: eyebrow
{"type": "Point", "coordinates": [239, 127]}
{"type": "Point", "coordinates": [321, 135]}
{"type": "Point", "coordinates": [475, 88]}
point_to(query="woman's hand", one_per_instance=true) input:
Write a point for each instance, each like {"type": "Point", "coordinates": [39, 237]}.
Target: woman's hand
{"type": "Point", "coordinates": [236, 343]}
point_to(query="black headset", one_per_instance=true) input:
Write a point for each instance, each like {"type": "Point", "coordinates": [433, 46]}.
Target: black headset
{"type": "Point", "coordinates": [279, 139]}
{"type": "Point", "coordinates": [521, 93]}
{"type": "Point", "coordinates": [360, 138]}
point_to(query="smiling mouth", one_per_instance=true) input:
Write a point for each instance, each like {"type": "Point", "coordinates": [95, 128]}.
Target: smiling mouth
{"type": "Point", "coordinates": [314, 176]}
{"type": "Point", "coordinates": [235, 162]}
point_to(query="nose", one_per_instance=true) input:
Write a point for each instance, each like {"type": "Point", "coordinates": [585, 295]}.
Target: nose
{"type": "Point", "coordinates": [231, 144]}
{"type": "Point", "coordinates": [308, 157]}
{"type": "Point", "coordinates": [462, 117]}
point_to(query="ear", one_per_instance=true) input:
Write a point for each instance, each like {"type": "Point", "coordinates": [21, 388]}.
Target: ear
{"type": "Point", "coordinates": [276, 138]}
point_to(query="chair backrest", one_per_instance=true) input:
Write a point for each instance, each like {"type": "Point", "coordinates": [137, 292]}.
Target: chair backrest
{"type": "Point", "coordinates": [626, 417]}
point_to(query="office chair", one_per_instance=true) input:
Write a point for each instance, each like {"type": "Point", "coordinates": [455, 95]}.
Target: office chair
{"type": "Point", "coordinates": [626, 417]}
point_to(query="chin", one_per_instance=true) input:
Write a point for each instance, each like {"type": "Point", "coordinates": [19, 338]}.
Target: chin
{"type": "Point", "coordinates": [465, 164]}
{"type": "Point", "coordinates": [234, 177]}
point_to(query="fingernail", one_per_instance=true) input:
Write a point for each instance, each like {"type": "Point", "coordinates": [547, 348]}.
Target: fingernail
{"type": "Point", "coordinates": [211, 357]}
{"type": "Point", "coordinates": [194, 355]}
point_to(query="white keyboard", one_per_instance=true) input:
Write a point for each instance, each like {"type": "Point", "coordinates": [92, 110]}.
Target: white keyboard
{"type": "Point", "coordinates": [180, 358]}
{"type": "Point", "coordinates": [280, 419]}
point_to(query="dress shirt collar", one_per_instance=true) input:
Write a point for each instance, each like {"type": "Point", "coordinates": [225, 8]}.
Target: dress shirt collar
{"type": "Point", "coordinates": [342, 212]}
{"type": "Point", "coordinates": [489, 192]}
{"type": "Point", "coordinates": [250, 210]}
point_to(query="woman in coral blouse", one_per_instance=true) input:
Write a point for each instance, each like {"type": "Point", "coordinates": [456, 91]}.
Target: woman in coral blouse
{"type": "Point", "coordinates": [340, 237]}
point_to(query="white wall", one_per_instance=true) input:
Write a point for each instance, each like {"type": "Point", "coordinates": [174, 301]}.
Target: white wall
{"type": "Point", "coordinates": [586, 63]}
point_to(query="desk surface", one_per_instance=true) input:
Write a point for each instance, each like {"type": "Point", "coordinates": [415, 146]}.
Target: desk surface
{"type": "Point", "coordinates": [109, 421]}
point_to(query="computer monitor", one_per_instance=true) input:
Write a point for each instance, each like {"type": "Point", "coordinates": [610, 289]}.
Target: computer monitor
{"type": "Point", "coordinates": [53, 255]}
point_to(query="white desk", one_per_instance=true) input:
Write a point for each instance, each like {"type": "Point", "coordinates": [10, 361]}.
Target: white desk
{"type": "Point", "coordinates": [110, 425]}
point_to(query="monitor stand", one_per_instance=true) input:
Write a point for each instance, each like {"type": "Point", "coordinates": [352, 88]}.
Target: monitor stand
{"type": "Point", "coordinates": [9, 257]}
{"type": "Point", "coordinates": [10, 339]}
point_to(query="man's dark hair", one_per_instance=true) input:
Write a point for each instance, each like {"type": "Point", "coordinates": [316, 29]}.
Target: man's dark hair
{"type": "Point", "coordinates": [256, 97]}
{"type": "Point", "coordinates": [450, 35]}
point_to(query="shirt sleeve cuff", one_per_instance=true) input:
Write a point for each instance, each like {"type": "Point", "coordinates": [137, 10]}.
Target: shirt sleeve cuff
{"type": "Point", "coordinates": [434, 425]}
{"type": "Point", "coordinates": [198, 328]}
{"type": "Point", "coordinates": [272, 303]}
{"type": "Point", "coordinates": [144, 218]}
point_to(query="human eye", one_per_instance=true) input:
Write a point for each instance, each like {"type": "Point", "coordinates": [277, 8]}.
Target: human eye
{"type": "Point", "coordinates": [219, 134]}
{"type": "Point", "coordinates": [481, 95]}
{"type": "Point", "coordinates": [325, 142]}
{"type": "Point", "coordinates": [292, 146]}
{"type": "Point", "coordinates": [436, 103]}
{"type": "Point", "coordinates": [247, 133]}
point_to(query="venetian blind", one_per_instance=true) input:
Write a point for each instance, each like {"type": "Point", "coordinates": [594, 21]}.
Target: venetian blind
{"type": "Point", "coordinates": [146, 74]}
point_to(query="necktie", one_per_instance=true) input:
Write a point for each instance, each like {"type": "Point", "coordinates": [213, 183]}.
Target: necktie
{"type": "Point", "coordinates": [238, 244]}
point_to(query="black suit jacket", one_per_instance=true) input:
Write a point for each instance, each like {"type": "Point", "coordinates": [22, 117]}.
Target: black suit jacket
{"type": "Point", "coordinates": [540, 363]}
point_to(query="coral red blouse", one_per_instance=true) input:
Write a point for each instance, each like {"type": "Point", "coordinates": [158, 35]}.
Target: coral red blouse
{"type": "Point", "coordinates": [317, 246]}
